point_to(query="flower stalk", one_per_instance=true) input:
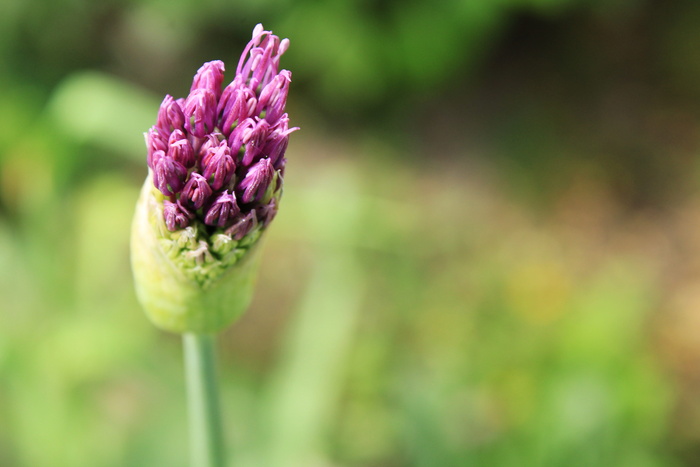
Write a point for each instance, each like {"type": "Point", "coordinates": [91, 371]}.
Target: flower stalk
{"type": "Point", "coordinates": [206, 431]}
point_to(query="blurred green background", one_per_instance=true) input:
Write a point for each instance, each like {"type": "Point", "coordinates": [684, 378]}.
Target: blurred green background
{"type": "Point", "coordinates": [488, 252]}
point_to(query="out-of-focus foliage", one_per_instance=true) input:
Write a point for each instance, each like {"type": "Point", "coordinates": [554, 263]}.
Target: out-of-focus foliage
{"type": "Point", "coordinates": [487, 252]}
{"type": "Point", "coordinates": [351, 55]}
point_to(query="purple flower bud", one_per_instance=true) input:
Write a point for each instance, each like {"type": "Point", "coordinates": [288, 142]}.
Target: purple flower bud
{"type": "Point", "coordinates": [176, 217]}
{"type": "Point", "coordinates": [169, 175]}
{"type": "Point", "coordinates": [276, 149]}
{"type": "Point", "coordinates": [211, 141]}
{"type": "Point", "coordinates": [243, 226]}
{"type": "Point", "coordinates": [218, 166]}
{"type": "Point", "coordinates": [180, 149]}
{"type": "Point", "coordinates": [209, 76]}
{"type": "Point", "coordinates": [254, 140]}
{"type": "Point", "coordinates": [224, 101]}
{"type": "Point", "coordinates": [240, 104]}
{"type": "Point", "coordinates": [277, 141]}
{"type": "Point", "coordinates": [273, 97]}
{"type": "Point", "coordinates": [196, 192]}
{"type": "Point", "coordinates": [267, 212]}
{"type": "Point", "coordinates": [156, 140]}
{"type": "Point", "coordinates": [222, 212]}
{"type": "Point", "coordinates": [200, 112]}
{"type": "Point", "coordinates": [176, 135]}
{"type": "Point", "coordinates": [241, 132]}
{"type": "Point", "coordinates": [155, 157]}
{"type": "Point", "coordinates": [257, 181]}
{"type": "Point", "coordinates": [170, 115]}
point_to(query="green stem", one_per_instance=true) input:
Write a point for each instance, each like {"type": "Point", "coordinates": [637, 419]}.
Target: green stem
{"type": "Point", "coordinates": [206, 434]}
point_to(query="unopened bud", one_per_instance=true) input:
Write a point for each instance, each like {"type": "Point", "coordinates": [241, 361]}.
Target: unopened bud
{"type": "Point", "coordinates": [176, 217]}
{"type": "Point", "coordinates": [277, 142]}
{"type": "Point", "coordinates": [267, 212]}
{"type": "Point", "coordinates": [273, 97]}
{"type": "Point", "coordinates": [155, 141]}
{"type": "Point", "coordinates": [180, 149]}
{"type": "Point", "coordinates": [196, 192]}
{"type": "Point", "coordinates": [170, 116]}
{"type": "Point", "coordinates": [243, 226]}
{"type": "Point", "coordinates": [257, 181]}
{"type": "Point", "coordinates": [218, 166]}
{"type": "Point", "coordinates": [211, 141]}
{"type": "Point", "coordinates": [209, 76]}
{"type": "Point", "coordinates": [169, 175]}
{"type": "Point", "coordinates": [223, 211]}
{"type": "Point", "coordinates": [241, 104]}
{"type": "Point", "coordinates": [200, 112]}
{"type": "Point", "coordinates": [254, 140]}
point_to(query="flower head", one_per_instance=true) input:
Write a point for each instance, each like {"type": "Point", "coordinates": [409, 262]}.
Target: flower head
{"type": "Point", "coordinates": [233, 137]}
{"type": "Point", "coordinates": [216, 158]}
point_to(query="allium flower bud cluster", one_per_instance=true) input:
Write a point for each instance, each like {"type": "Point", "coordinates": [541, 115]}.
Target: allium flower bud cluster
{"type": "Point", "coordinates": [216, 163]}
{"type": "Point", "coordinates": [217, 155]}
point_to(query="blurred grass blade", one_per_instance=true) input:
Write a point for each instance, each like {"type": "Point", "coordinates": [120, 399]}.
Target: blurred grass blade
{"type": "Point", "coordinates": [306, 387]}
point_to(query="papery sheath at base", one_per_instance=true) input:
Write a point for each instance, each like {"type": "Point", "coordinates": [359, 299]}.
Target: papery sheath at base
{"type": "Point", "coordinates": [172, 300]}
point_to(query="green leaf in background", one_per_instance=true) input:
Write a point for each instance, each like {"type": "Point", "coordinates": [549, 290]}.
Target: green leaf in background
{"type": "Point", "coordinates": [104, 111]}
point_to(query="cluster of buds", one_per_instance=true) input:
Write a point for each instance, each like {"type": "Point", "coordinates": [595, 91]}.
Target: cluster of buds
{"type": "Point", "coordinates": [216, 162]}
{"type": "Point", "coordinates": [217, 155]}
